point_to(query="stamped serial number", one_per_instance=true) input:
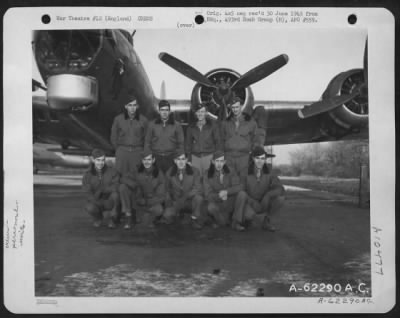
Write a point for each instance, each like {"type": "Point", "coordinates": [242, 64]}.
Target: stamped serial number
{"type": "Point", "coordinates": [145, 18]}
{"type": "Point", "coordinates": [328, 288]}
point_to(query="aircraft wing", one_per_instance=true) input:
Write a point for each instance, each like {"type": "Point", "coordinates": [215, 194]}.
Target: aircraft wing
{"type": "Point", "coordinates": [283, 124]}
{"type": "Point", "coordinates": [341, 113]}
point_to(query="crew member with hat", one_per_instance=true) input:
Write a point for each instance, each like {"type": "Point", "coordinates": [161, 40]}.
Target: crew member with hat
{"type": "Point", "coordinates": [202, 139]}
{"type": "Point", "coordinates": [164, 137]}
{"type": "Point", "coordinates": [100, 183]}
{"type": "Point", "coordinates": [147, 188]}
{"type": "Point", "coordinates": [184, 191]}
{"type": "Point", "coordinates": [240, 134]}
{"type": "Point", "coordinates": [265, 192]}
{"type": "Point", "coordinates": [224, 194]}
{"type": "Point", "coordinates": [128, 132]}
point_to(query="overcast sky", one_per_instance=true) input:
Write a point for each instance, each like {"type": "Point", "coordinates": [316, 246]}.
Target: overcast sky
{"type": "Point", "coordinates": [315, 57]}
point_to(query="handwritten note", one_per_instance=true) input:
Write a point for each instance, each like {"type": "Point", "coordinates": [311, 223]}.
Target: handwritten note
{"type": "Point", "coordinates": [378, 250]}
{"type": "Point", "coordinates": [15, 229]}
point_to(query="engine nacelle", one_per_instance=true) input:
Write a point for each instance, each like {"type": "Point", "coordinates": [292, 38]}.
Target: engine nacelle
{"type": "Point", "coordinates": [72, 92]}
{"type": "Point", "coordinates": [353, 114]}
{"type": "Point", "coordinates": [224, 78]}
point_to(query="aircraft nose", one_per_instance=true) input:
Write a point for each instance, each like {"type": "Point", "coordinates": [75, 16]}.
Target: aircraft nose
{"type": "Point", "coordinates": [70, 51]}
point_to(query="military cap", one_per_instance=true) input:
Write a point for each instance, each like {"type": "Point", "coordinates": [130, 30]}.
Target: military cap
{"type": "Point", "coordinates": [179, 153]}
{"type": "Point", "coordinates": [198, 106]}
{"type": "Point", "coordinates": [146, 153]}
{"type": "Point", "coordinates": [130, 99]}
{"type": "Point", "coordinates": [97, 153]}
{"type": "Point", "coordinates": [163, 103]}
{"type": "Point", "coordinates": [258, 151]}
{"type": "Point", "coordinates": [218, 154]}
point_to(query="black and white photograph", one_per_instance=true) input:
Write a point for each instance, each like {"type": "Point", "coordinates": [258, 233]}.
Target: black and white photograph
{"type": "Point", "coordinates": [225, 158]}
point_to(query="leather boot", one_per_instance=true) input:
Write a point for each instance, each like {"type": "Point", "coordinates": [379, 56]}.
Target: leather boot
{"type": "Point", "coordinates": [128, 223]}
{"type": "Point", "coordinates": [267, 226]}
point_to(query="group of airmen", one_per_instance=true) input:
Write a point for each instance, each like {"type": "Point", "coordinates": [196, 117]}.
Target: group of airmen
{"type": "Point", "coordinates": [217, 174]}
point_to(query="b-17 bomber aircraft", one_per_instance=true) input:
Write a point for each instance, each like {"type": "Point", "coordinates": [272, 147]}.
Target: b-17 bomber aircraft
{"type": "Point", "coordinates": [90, 75]}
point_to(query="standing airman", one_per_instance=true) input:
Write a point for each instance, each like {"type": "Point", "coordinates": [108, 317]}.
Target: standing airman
{"type": "Point", "coordinates": [240, 134]}
{"type": "Point", "coordinates": [202, 139]}
{"type": "Point", "coordinates": [127, 136]}
{"type": "Point", "coordinates": [164, 137]}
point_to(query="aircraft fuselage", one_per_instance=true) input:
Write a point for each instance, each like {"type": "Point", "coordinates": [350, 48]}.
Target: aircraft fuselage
{"type": "Point", "coordinates": [106, 56]}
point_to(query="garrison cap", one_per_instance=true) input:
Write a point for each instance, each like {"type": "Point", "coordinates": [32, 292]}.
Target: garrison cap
{"type": "Point", "coordinates": [218, 154]}
{"type": "Point", "coordinates": [131, 99]}
{"type": "Point", "coordinates": [97, 153]}
{"type": "Point", "coordinates": [179, 153]}
{"type": "Point", "coordinates": [164, 103]}
{"type": "Point", "coordinates": [237, 99]}
{"type": "Point", "coordinates": [146, 153]}
{"type": "Point", "coordinates": [198, 106]}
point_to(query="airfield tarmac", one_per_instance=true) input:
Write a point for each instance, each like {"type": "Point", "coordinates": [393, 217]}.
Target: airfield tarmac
{"type": "Point", "coordinates": [323, 238]}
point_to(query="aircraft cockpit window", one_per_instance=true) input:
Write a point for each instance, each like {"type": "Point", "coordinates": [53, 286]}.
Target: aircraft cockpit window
{"type": "Point", "coordinates": [67, 51]}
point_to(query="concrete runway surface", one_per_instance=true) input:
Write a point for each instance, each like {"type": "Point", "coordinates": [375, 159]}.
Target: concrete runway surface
{"type": "Point", "coordinates": [322, 249]}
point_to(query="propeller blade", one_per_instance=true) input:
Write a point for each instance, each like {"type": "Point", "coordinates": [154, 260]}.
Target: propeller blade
{"type": "Point", "coordinates": [261, 71]}
{"type": "Point", "coordinates": [185, 69]}
{"type": "Point", "coordinates": [36, 84]}
{"type": "Point", "coordinates": [326, 105]}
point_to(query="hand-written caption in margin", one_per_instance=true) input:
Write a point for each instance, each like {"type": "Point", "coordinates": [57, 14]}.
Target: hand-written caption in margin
{"type": "Point", "coordinates": [377, 247]}
{"type": "Point", "coordinates": [14, 230]}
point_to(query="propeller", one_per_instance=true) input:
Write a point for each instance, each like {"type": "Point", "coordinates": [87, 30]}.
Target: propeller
{"type": "Point", "coordinates": [261, 71]}
{"type": "Point", "coordinates": [224, 89]}
{"type": "Point", "coordinates": [328, 104]}
{"type": "Point", "coordinates": [185, 69]}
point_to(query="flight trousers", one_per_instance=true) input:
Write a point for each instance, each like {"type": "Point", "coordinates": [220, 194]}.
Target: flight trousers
{"type": "Point", "coordinates": [95, 208]}
{"type": "Point", "coordinates": [193, 204]}
{"type": "Point", "coordinates": [164, 162]}
{"type": "Point", "coordinates": [202, 163]}
{"type": "Point", "coordinates": [224, 212]}
{"type": "Point", "coordinates": [267, 206]}
{"type": "Point", "coordinates": [238, 163]}
{"type": "Point", "coordinates": [127, 158]}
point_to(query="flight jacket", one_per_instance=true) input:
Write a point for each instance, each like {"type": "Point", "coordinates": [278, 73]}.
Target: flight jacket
{"type": "Point", "coordinates": [268, 183]}
{"type": "Point", "coordinates": [164, 139]}
{"type": "Point", "coordinates": [243, 139]}
{"type": "Point", "coordinates": [149, 183]}
{"type": "Point", "coordinates": [129, 132]}
{"type": "Point", "coordinates": [212, 185]}
{"type": "Point", "coordinates": [96, 187]}
{"type": "Point", "coordinates": [185, 189]}
{"type": "Point", "coordinates": [202, 142]}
